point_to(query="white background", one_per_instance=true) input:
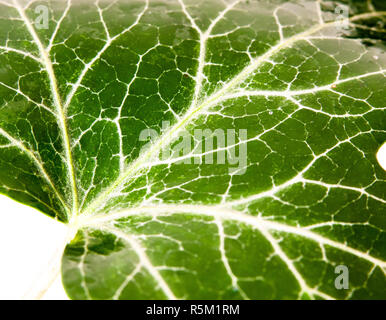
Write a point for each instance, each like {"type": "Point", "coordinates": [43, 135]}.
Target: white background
{"type": "Point", "coordinates": [29, 240]}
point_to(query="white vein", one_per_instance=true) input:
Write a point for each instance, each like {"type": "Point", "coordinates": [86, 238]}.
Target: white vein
{"type": "Point", "coordinates": [219, 213]}
{"type": "Point", "coordinates": [299, 178]}
{"type": "Point", "coordinates": [18, 144]}
{"type": "Point", "coordinates": [19, 92]}
{"type": "Point", "coordinates": [21, 52]}
{"type": "Point", "coordinates": [279, 26]}
{"type": "Point", "coordinates": [100, 12]}
{"type": "Point", "coordinates": [4, 3]}
{"type": "Point", "coordinates": [144, 260]}
{"type": "Point", "coordinates": [291, 93]}
{"type": "Point", "coordinates": [227, 213]}
{"type": "Point", "coordinates": [193, 112]}
{"type": "Point", "coordinates": [58, 24]}
{"type": "Point", "coordinates": [224, 258]}
{"type": "Point", "coordinates": [82, 266]}
{"type": "Point", "coordinates": [290, 265]}
{"type": "Point", "coordinates": [340, 186]}
{"type": "Point", "coordinates": [204, 36]}
{"type": "Point", "coordinates": [127, 280]}
{"type": "Point", "coordinates": [57, 102]}
{"type": "Point", "coordinates": [89, 65]}
{"type": "Point", "coordinates": [319, 12]}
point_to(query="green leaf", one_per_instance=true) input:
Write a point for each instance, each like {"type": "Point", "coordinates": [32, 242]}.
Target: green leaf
{"type": "Point", "coordinates": [302, 90]}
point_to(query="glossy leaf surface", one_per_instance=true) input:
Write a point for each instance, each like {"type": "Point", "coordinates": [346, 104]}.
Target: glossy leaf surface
{"type": "Point", "coordinates": [302, 88]}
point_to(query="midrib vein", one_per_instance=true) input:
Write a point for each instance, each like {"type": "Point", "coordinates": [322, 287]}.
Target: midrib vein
{"type": "Point", "coordinates": [46, 62]}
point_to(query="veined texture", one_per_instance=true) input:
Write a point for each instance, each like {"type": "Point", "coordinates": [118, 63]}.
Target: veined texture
{"type": "Point", "coordinates": [307, 85]}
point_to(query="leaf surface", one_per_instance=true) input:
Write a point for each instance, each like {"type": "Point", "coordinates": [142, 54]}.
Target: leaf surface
{"type": "Point", "coordinates": [304, 93]}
